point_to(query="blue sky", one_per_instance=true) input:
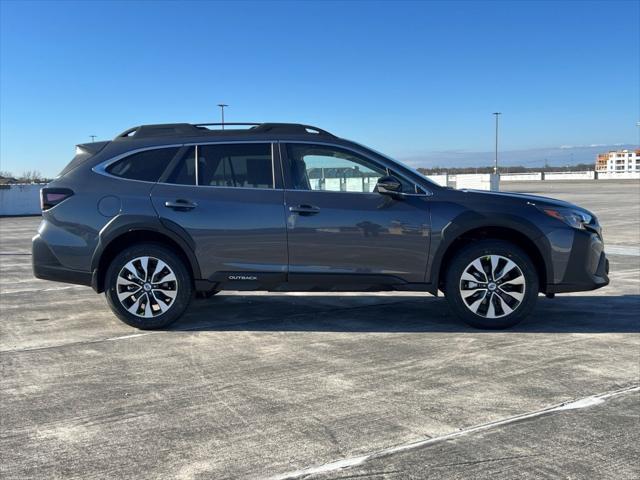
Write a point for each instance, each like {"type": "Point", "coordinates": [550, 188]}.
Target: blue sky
{"type": "Point", "coordinates": [407, 78]}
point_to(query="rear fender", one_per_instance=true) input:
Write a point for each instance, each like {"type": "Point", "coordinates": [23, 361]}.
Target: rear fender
{"type": "Point", "coordinates": [123, 224]}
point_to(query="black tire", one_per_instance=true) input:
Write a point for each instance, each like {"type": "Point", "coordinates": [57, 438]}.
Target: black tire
{"type": "Point", "coordinates": [482, 250]}
{"type": "Point", "coordinates": [182, 286]}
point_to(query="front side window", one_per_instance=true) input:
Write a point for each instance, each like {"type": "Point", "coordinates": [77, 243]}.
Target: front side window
{"type": "Point", "coordinates": [324, 168]}
{"type": "Point", "coordinates": [235, 165]}
{"type": "Point", "coordinates": [147, 166]}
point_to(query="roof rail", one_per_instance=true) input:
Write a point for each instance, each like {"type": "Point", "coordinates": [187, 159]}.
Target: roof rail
{"type": "Point", "coordinates": [226, 124]}
{"type": "Point", "coordinates": [160, 130]}
{"type": "Point", "coordinates": [294, 128]}
{"type": "Point", "coordinates": [188, 129]}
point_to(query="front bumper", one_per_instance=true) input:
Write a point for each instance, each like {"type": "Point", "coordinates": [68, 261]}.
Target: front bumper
{"type": "Point", "coordinates": [587, 266]}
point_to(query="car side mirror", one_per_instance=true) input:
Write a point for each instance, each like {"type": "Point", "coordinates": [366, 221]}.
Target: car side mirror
{"type": "Point", "coordinates": [389, 185]}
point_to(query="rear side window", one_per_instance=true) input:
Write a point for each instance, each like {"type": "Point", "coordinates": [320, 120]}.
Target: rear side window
{"type": "Point", "coordinates": [184, 172]}
{"type": "Point", "coordinates": [246, 165]}
{"type": "Point", "coordinates": [147, 166]}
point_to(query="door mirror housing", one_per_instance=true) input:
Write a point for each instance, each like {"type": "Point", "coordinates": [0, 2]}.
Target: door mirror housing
{"type": "Point", "coordinates": [389, 185]}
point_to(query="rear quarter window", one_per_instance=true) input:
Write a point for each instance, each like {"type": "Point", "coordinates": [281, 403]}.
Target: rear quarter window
{"type": "Point", "coordinates": [146, 166]}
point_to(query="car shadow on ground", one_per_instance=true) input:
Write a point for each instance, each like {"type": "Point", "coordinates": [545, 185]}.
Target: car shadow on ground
{"type": "Point", "coordinates": [401, 314]}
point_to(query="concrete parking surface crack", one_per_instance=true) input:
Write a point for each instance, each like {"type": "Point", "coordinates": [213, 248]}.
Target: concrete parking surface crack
{"type": "Point", "coordinates": [345, 463]}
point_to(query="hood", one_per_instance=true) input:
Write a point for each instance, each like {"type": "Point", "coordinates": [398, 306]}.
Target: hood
{"type": "Point", "coordinates": [484, 195]}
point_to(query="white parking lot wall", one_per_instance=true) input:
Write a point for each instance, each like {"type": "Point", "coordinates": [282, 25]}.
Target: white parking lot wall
{"type": "Point", "coordinates": [618, 175]}
{"type": "Point", "coordinates": [441, 180]}
{"type": "Point", "coordinates": [591, 175]}
{"type": "Point", "coordinates": [20, 199]}
{"type": "Point", "coordinates": [520, 177]}
{"type": "Point", "coordinates": [333, 184]}
{"type": "Point", "coordinates": [480, 181]}
{"type": "Point", "coordinates": [354, 184]}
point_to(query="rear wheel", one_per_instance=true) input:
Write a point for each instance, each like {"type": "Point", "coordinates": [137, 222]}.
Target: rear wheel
{"type": "Point", "coordinates": [491, 284]}
{"type": "Point", "coordinates": [148, 286]}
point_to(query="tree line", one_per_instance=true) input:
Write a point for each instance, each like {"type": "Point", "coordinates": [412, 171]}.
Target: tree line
{"type": "Point", "coordinates": [28, 176]}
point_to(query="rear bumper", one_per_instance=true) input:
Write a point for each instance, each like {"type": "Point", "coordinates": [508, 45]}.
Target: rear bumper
{"type": "Point", "coordinates": [47, 267]}
{"type": "Point", "coordinates": [587, 265]}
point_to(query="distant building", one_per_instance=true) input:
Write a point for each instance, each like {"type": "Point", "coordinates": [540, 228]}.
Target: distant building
{"type": "Point", "coordinates": [619, 161]}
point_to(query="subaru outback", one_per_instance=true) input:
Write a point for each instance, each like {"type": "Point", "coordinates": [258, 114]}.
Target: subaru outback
{"type": "Point", "coordinates": [163, 213]}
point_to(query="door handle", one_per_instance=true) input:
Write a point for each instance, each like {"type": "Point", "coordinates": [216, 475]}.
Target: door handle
{"type": "Point", "coordinates": [304, 210]}
{"type": "Point", "coordinates": [181, 205]}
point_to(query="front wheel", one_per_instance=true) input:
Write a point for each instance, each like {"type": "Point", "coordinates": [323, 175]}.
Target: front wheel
{"type": "Point", "coordinates": [491, 284]}
{"type": "Point", "coordinates": [148, 286]}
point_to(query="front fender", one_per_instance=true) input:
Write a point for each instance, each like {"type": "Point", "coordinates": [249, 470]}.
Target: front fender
{"type": "Point", "coordinates": [446, 232]}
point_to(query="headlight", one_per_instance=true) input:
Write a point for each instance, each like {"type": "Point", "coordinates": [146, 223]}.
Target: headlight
{"type": "Point", "coordinates": [573, 218]}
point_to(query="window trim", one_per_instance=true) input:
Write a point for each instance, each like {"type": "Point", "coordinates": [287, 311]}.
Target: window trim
{"type": "Point", "coordinates": [287, 176]}
{"type": "Point", "coordinates": [101, 168]}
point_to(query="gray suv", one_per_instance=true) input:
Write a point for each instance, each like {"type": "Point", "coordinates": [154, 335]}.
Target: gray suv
{"type": "Point", "coordinates": [165, 212]}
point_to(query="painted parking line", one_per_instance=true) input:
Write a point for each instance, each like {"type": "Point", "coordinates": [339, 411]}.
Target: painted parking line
{"type": "Point", "coordinates": [33, 290]}
{"type": "Point", "coordinates": [75, 344]}
{"type": "Point", "coordinates": [344, 463]}
{"type": "Point", "coordinates": [628, 250]}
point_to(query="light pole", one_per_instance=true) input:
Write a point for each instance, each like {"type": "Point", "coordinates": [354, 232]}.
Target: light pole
{"type": "Point", "coordinates": [93, 138]}
{"type": "Point", "coordinates": [495, 165]}
{"type": "Point", "coordinates": [222, 105]}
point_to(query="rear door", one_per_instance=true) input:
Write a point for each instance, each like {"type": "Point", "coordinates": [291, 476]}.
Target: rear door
{"type": "Point", "coordinates": [340, 230]}
{"type": "Point", "coordinates": [226, 197]}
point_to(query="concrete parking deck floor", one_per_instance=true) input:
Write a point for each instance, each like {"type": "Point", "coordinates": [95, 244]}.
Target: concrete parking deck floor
{"type": "Point", "coordinates": [324, 385]}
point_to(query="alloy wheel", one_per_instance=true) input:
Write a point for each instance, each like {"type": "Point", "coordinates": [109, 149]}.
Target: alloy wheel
{"type": "Point", "coordinates": [492, 286]}
{"type": "Point", "coordinates": [146, 287]}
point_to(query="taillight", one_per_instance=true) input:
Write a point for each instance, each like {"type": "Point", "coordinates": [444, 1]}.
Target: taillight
{"type": "Point", "coordinates": [50, 197]}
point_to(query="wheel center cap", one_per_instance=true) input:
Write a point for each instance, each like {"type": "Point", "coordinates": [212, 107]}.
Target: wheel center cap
{"type": "Point", "coordinates": [147, 287]}
{"type": "Point", "coordinates": [492, 286]}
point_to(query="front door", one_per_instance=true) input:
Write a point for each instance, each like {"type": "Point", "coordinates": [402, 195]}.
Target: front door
{"type": "Point", "coordinates": [340, 229]}
{"type": "Point", "coordinates": [227, 199]}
